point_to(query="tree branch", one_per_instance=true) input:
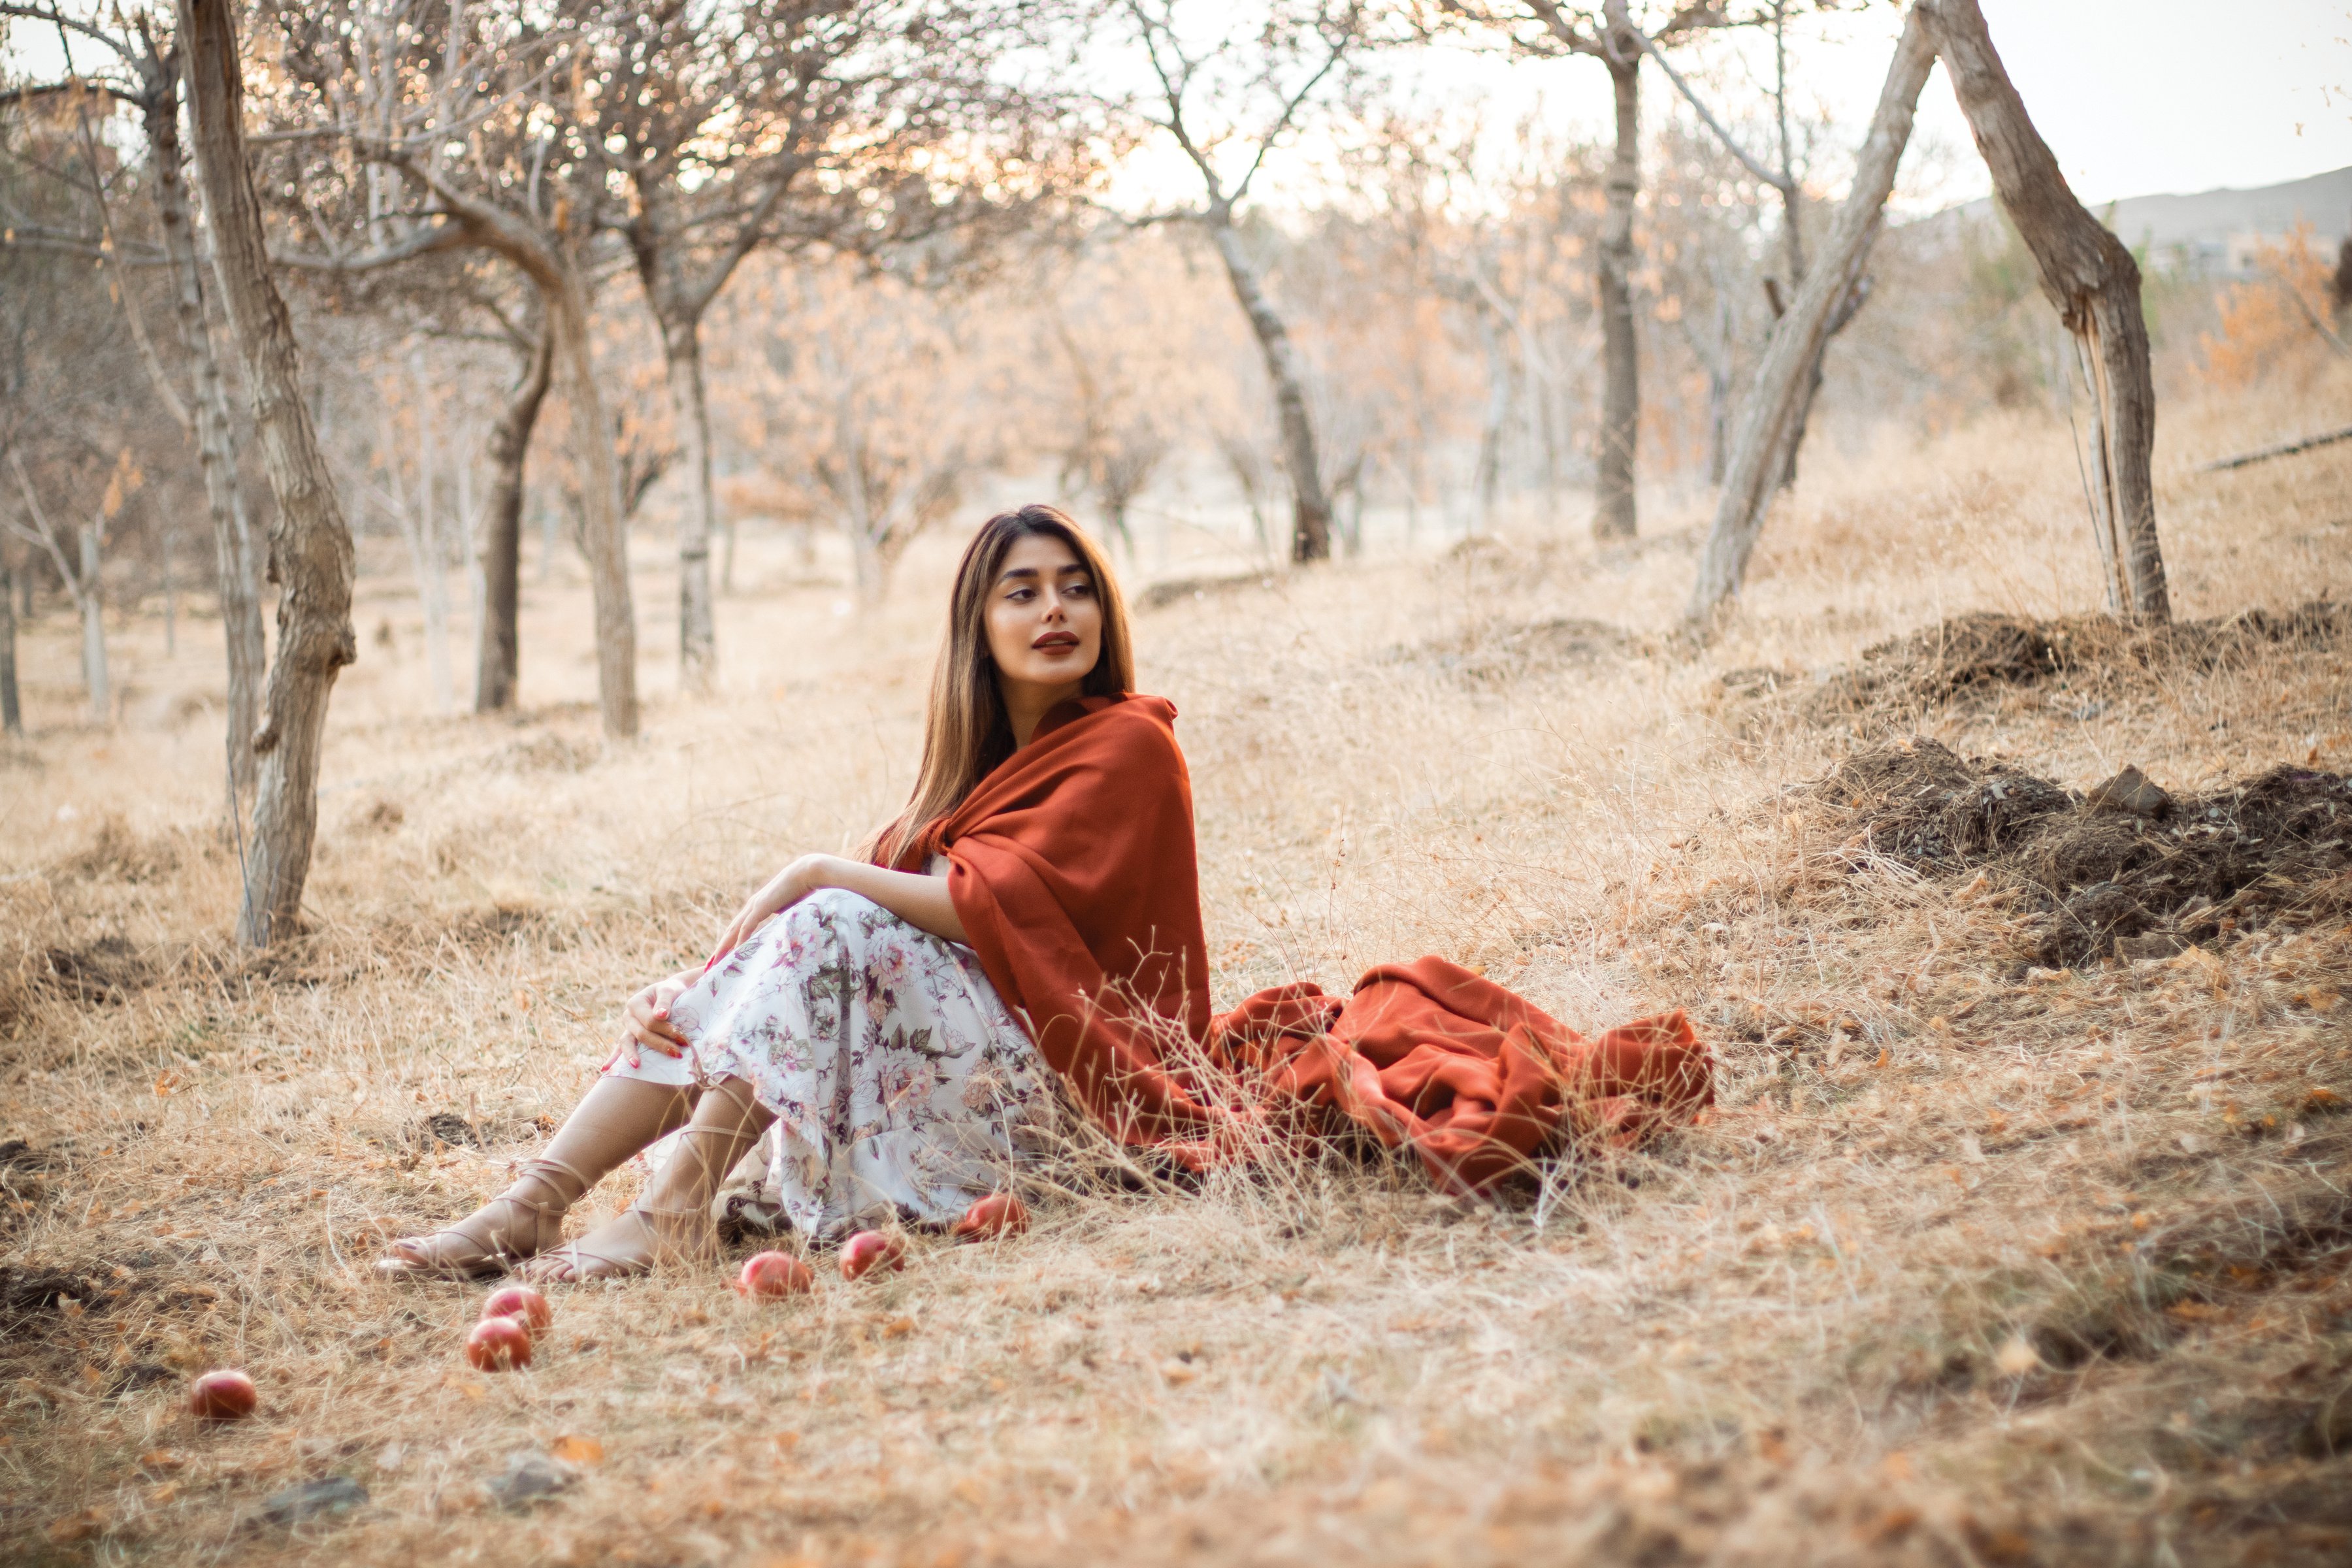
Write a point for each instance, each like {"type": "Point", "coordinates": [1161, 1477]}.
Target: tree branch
{"type": "Point", "coordinates": [2286, 286]}
{"type": "Point", "coordinates": [57, 19]}
{"type": "Point", "coordinates": [422, 242]}
{"type": "Point", "coordinates": [1282, 121]}
{"type": "Point", "coordinates": [1783, 182]}
{"type": "Point", "coordinates": [45, 538]}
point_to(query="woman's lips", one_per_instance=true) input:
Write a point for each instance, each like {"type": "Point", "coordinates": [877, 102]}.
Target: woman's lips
{"type": "Point", "coordinates": [1054, 642]}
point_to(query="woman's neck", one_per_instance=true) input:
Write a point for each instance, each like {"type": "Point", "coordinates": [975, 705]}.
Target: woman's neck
{"type": "Point", "coordinates": [1025, 704]}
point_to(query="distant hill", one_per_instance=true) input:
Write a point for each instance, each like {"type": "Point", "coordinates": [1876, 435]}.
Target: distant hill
{"type": "Point", "coordinates": [2217, 228]}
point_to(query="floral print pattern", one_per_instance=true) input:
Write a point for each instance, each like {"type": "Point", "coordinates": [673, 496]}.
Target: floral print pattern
{"type": "Point", "coordinates": [901, 1085]}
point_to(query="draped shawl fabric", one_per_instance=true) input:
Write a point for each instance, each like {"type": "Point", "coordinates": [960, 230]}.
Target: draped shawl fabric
{"type": "Point", "coordinates": [1073, 869]}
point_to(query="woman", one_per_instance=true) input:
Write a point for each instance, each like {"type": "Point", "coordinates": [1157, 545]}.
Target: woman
{"type": "Point", "coordinates": [872, 1019]}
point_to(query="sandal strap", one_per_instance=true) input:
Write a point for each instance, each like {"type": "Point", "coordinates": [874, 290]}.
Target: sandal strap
{"type": "Point", "coordinates": [573, 1252]}
{"type": "Point", "coordinates": [536, 1168]}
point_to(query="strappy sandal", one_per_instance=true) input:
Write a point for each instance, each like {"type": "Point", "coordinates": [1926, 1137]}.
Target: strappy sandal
{"type": "Point", "coordinates": [485, 1260]}
{"type": "Point", "coordinates": [577, 1258]}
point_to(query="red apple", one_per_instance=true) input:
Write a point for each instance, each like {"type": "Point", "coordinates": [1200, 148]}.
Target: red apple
{"type": "Point", "coordinates": [869, 1250]}
{"type": "Point", "coordinates": [522, 1304]}
{"type": "Point", "coordinates": [999, 1214]}
{"type": "Point", "coordinates": [222, 1396]}
{"type": "Point", "coordinates": [772, 1276]}
{"type": "Point", "coordinates": [498, 1344]}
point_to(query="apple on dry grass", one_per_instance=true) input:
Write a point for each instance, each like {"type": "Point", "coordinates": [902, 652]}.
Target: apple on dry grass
{"type": "Point", "coordinates": [772, 1276]}
{"type": "Point", "coordinates": [999, 1214]}
{"type": "Point", "coordinates": [498, 1344]}
{"type": "Point", "coordinates": [870, 1250]}
{"type": "Point", "coordinates": [522, 1303]}
{"type": "Point", "coordinates": [226, 1395]}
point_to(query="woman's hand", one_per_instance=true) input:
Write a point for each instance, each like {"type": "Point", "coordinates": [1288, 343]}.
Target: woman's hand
{"type": "Point", "coordinates": [648, 1016]}
{"type": "Point", "coordinates": [788, 887]}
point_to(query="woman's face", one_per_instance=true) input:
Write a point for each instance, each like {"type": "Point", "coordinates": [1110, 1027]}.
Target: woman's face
{"type": "Point", "coordinates": [1044, 621]}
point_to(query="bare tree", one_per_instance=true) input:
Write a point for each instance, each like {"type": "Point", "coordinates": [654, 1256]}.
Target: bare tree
{"type": "Point", "coordinates": [1768, 417]}
{"type": "Point", "coordinates": [309, 545]}
{"type": "Point", "coordinates": [876, 406]}
{"type": "Point", "coordinates": [1783, 178]}
{"type": "Point", "coordinates": [144, 73]}
{"type": "Point", "coordinates": [1227, 99]}
{"type": "Point", "coordinates": [12, 710]}
{"type": "Point", "coordinates": [400, 86]}
{"type": "Point", "coordinates": [2089, 275]}
{"type": "Point", "coordinates": [1115, 444]}
{"type": "Point", "coordinates": [497, 645]}
{"type": "Point", "coordinates": [80, 573]}
{"type": "Point", "coordinates": [1608, 34]}
{"type": "Point", "coordinates": [731, 117]}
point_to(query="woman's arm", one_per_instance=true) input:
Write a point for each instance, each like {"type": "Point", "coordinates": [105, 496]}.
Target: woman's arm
{"type": "Point", "coordinates": [920, 901]}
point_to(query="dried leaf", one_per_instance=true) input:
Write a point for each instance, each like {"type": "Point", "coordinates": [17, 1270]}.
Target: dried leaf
{"type": "Point", "coordinates": [576, 1450]}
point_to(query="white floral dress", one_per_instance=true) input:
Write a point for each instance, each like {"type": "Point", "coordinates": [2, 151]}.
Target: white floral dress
{"type": "Point", "coordinates": [902, 1084]}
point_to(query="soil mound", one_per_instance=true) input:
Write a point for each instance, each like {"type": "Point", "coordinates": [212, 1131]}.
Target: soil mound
{"type": "Point", "coordinates": [1984, 654]}
{"type": "Point", "coordinates": [1497, 653]}
{"type": "Point", "coordinates": [2127, 868]}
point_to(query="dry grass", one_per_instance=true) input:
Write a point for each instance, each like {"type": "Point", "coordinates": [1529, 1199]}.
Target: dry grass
{"type": "Point", "coordinates": [1972, 1265]}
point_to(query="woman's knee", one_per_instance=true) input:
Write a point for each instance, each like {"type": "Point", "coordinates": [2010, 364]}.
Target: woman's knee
{"type": "Point", "coordinates": [825, 915]}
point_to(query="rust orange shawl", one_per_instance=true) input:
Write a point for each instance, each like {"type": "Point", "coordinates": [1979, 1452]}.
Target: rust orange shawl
{"type": "Point", "coordinates": [1073, 869]}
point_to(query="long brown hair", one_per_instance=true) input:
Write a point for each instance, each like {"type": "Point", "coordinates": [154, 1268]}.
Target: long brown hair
{"type": "Point", "coordinates": [965, 731]}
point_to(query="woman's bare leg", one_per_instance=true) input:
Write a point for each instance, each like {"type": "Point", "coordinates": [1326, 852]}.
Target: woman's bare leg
{"type": "Point", "coordinates": [671, 1219]}
{"type": "Point", "coordinates": [615, 1119]}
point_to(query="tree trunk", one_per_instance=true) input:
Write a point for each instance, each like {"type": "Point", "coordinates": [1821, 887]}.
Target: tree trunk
{"type": "Point", "coordinates": [233, 553]}
{"type": "Point", "coordinates": [606, 535]}
{"type": "Point", "coordinates": [1849, 306]}
{"type": "Point", "coordinates": [1767, 420]}
{"type": "Point", "coordinates": [1310, 535]}
{"type": "Point", "coordinates": [1718, 391]}
{"type": "Point", "coordinates": [1489, 476]}
{"type": "Point", "coordinates": [2090, 277]}
{"type": "Point", "coordinates": [12, 711]}
{"type": "Point", "coordinates": [92, 600]}
{"type": "Point", "coordinates": [1613, 515]}
{"type": "Point", "coordinates": [497, 653]}
{"type": "Point", "coordinates": [163, 531]}
{"type": "Point", "coordinates": [309, 545]}
{"type": "Point", "coordinates": [422, 531]}
{"type": "Point", "coordinates": [698, 634]}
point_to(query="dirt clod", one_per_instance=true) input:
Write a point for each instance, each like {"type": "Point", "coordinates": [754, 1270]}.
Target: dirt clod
{"type": "Point", "coordinates": [2128, 864]}
{"type": "Point", "coordinates": [1979, 657]}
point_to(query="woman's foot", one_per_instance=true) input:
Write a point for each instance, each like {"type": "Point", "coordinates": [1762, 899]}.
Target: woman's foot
{"type": "Point", "coordinates": [634, 1241]}
{"type": "Point", "coordinates": [524, 1220]}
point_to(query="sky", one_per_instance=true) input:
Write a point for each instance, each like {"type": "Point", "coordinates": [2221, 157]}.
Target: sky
{"type": "Point", "coordinates": [2136, 97]}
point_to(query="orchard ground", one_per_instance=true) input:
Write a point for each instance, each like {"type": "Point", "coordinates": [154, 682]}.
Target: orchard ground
{"type": "Point", "coordinates": [1976, 1262]}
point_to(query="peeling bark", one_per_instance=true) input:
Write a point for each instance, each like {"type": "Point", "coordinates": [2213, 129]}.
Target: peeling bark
{"type": "Point", "coordinates": [236, 579]}
{"type": "Point", "coordinates": [311, 545]}
{"type": "Point", "coordinates": [2089, 275]}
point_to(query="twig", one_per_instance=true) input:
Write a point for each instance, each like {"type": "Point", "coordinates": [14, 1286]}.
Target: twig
{"type": "Point", "coordinates": [2283, 449]}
